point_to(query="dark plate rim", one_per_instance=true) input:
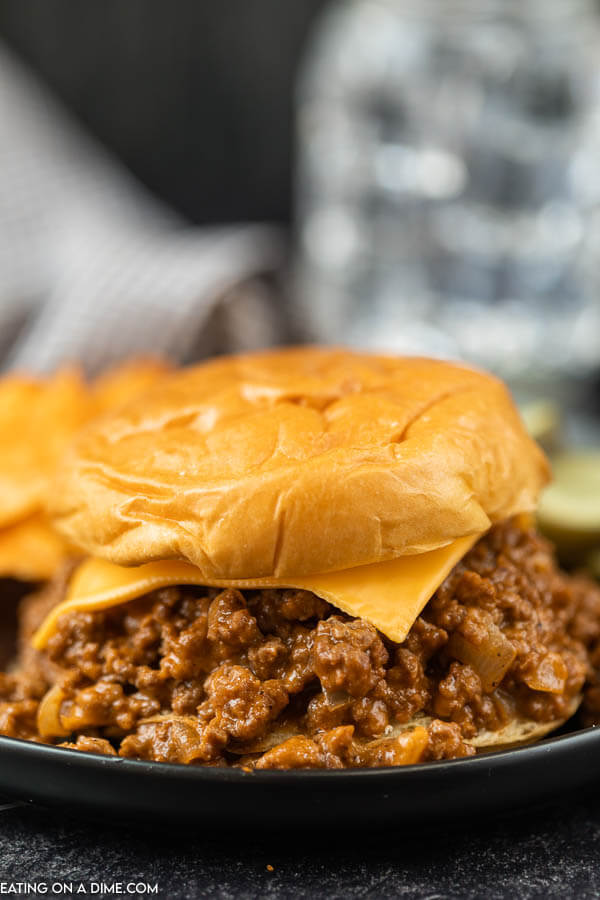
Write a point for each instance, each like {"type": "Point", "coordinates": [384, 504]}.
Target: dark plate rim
{"type": "Point", "coordinates": [579, 740]}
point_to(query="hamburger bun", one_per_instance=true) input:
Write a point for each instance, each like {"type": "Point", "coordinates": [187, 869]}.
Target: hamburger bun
{"type": "Point", "coordinates": [298, 461]}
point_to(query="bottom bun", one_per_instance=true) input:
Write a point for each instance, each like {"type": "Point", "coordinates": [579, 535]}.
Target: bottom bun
{"type": "Point", "coordinates": [516, 732]}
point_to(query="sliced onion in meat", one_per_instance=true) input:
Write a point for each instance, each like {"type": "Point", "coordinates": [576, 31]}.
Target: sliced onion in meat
{"type": "Point", "coordinates": [405, 749]}
{"type": "Point", "coordinates": [187, 738]}
{"type": "Point", "coordinates": [549, 676]}
{"type": "Point", "coordinates": [336, 699]}
{"type": "Point", "coordinates": [491, 658]}
{"type": "Point", "coordinates": [269, 741]}
{"type": "Point", "coordinates": [48, 714]}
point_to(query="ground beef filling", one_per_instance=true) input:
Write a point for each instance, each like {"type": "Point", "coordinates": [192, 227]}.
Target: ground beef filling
{"type": "Point", "coordinates": [281, 679]}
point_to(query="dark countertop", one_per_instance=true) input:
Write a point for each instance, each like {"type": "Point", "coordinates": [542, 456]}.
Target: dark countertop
{"type": "Point", "coordinates": [550, 852]}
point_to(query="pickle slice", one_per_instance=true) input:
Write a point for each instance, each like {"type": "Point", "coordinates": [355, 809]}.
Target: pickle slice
{"type": "Point", "coordinates": [569, 510]}
{"type": "Point", "coordinates": [593, 563]}
{"type": "Point", "coordinates": [542, 420]}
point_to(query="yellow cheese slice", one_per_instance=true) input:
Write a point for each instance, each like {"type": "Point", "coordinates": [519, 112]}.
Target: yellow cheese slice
{"type": "Point", "coordinates": [390, 595]}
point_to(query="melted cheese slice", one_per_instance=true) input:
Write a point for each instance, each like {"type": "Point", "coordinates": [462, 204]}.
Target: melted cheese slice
{"type": "Point", "coordinates": [390, 595]}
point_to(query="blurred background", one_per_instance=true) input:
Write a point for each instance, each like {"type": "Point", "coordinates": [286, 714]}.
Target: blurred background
{"type": "Point", "coordinates": [418, 176]}
{"type": "Point", "coordinates": [197, 100]}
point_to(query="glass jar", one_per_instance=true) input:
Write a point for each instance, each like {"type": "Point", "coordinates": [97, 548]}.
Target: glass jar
{"type": "Point", "coordinates": [448, 182]}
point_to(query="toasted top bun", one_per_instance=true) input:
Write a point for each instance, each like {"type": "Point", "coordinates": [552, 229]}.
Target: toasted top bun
{"type": "Point", "coordinates": [116, 386]}
{"type": "Point", "coordinates": [298, 461]}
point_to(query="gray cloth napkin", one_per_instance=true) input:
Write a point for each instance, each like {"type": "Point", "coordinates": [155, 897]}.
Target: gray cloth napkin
{"type": "Point", "coordinates": [93, 268]}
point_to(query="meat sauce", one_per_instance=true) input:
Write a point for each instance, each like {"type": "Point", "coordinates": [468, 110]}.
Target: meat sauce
{"type": "Point", "coordinates": [281, 679]}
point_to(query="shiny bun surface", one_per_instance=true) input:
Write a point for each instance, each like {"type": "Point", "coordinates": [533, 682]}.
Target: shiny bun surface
{"type": "Point", "coordinates": [298, 461]}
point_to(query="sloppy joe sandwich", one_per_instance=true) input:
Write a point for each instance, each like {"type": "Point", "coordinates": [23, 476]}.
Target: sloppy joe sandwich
{"type": "Point", "coordinates": [307, 558]}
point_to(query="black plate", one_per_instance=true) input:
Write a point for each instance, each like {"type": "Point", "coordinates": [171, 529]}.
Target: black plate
{"type": "Point", "coordinates": [127, 790]}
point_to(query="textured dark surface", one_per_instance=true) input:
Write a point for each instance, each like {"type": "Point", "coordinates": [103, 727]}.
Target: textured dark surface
{"type": "Point", "coordinates": [195, 98]}
{"type": "Point", "coordinates": [552, 852]}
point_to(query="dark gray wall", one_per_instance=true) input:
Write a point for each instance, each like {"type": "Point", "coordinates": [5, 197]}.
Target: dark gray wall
{"type": "Point", "coordinates": [196, 97]}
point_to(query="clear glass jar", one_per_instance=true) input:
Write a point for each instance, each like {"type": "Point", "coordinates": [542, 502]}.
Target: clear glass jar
{"type": "Point", "coordinates": [448, 182]}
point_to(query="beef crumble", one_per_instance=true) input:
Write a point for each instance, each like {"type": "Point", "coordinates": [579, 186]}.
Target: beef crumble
{"type": "Point", "coordinates": [281, 679]}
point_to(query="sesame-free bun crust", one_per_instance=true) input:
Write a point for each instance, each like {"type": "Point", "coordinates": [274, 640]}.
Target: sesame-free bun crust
{"type": "Point", "coordinates": [298, 461]}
